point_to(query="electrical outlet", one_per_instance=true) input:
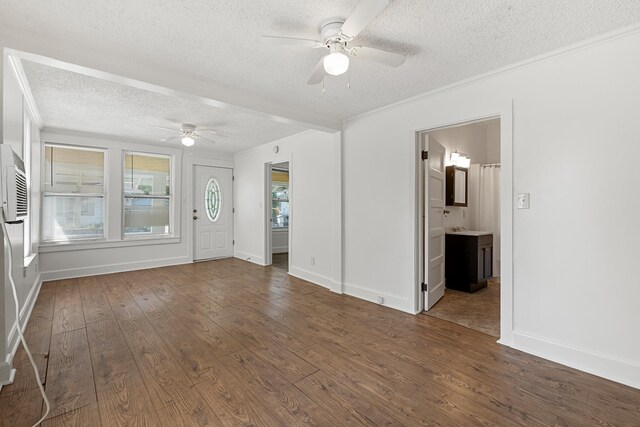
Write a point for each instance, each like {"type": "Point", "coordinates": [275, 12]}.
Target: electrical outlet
{"type": "Point", "coordinates": [380, 300]}
{"type": "Point", "coordinates": [313, 260]}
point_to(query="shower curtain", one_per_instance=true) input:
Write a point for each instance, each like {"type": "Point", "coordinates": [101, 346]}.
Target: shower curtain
{"type": "Point", "coordinates": [488, 208]}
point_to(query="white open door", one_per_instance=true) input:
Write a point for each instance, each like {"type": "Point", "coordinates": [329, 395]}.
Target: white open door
{"type": "Point", "coordinates": [212, 212]}
{"type": "Point", "coordinates": [434, 230]}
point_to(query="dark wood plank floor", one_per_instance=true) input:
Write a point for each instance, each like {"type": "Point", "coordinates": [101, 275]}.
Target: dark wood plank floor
{"type": "Point", "coordinates": [231, 343]}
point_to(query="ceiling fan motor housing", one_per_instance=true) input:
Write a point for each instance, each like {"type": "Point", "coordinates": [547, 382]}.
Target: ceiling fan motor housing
{"type": "Point", "coordinates": [330, 32]}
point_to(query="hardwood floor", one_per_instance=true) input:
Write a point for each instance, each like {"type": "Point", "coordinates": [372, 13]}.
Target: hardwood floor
{"type": "Point", "coordinates": [231, 343]}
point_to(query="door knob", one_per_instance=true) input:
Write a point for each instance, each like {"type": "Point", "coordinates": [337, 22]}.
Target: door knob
{"type": "Point", "coordinates": [195, 217]}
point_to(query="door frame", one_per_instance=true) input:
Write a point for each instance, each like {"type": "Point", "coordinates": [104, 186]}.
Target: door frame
{"type": "Point", "coordinates": [268, 235]}
{"type": "Point", "coordinates": [505, 114]}
{"type": "Point", "coordinates": [192, 201]}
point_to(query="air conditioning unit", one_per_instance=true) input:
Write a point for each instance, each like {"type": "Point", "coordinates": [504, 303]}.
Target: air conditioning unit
{"type": "Point", "coordinates": [14, 185]}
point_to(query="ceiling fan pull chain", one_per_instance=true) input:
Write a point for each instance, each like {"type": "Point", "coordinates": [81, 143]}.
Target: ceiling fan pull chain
{"type": "Point", "coordinates": [349, 78]}
{"type": "Point", "coordinates": [322, 84]}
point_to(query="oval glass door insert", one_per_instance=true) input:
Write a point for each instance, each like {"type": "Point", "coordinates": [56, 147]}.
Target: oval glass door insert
{"type": "Point", "coordinates": [213, 199]}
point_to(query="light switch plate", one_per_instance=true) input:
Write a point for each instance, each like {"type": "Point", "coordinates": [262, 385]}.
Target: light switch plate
{"type": "Point", "coordinates": [523, 200]}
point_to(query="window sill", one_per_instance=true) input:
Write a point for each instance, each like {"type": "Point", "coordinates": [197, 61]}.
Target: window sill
{"type": "Point", "coordinates": [280, 228]}
{"type": "Point", "coordinates": [106, 244]}
{"type": "Point", "coordinates": [29, 259]}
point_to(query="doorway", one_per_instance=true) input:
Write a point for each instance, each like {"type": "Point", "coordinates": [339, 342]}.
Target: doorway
{"type": "Point", "coordinates": [280, 214]}
{"type": "Point", "coordinates": [461, 227]}
{"type": "Point", "coordinates": [212, 212]}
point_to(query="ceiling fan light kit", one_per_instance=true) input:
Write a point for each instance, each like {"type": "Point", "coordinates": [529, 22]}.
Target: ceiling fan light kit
{"type": "Point", "coordinates": [188, 141]}
{"type": "Point", "coordinates": [336, 34]}
{"type": "Point", "coordinates": [336, 62]}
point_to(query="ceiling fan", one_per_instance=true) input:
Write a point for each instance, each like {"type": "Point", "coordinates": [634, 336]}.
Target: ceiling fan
{"type": "Point", "coordinates": [188, 134]}
{"type": "Point", "coordinates": [336, 36]}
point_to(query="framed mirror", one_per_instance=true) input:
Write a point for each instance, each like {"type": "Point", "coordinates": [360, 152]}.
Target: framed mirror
{"type": "Point", "coordinates": [457, 186]}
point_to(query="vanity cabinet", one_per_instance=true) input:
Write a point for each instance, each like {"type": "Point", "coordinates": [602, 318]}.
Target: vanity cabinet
{"type": "Point", "coordinates": [468, 260]}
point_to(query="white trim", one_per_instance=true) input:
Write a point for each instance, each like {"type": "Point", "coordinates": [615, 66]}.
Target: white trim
{"type": "Point", "coordinates": [594, 41]}
{"type": "Point", "coordinates": [620, 370]}
{"type": "Point", "coordinates": [246, 256]}
{"type": "Point", "coordinates": [392, 301]}
{"type": "Point", "coordinates": [315, 278]}
{"type": "Point", "coordinates": [71, 273]}
{"type": "Point", "coordinates": [32, 107]}
{"type": "Point", "coordinates": [6, 372]}
{"type": "Point", "coordinates": [106, 244]}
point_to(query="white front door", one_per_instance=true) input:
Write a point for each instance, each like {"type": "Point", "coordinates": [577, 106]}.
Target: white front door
{"type": "Point", "coordinates": [212, 212]}
{"type": "Point", "coordinates": [434, 230]}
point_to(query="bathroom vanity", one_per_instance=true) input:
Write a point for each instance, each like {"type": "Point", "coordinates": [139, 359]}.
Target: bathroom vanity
{"type": "Point", "coordinates": [468, 260]}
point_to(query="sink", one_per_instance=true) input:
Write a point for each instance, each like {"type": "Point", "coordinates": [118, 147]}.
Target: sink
{"type": "Point", "coordinates": [469, 233]}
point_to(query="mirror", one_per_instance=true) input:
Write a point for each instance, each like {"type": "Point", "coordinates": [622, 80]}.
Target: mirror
{"type": "Point", "coordinates": [457, 186]}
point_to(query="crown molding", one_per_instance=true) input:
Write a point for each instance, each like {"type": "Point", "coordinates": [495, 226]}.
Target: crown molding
{"type": "Point", "coordinates": [30, 102]}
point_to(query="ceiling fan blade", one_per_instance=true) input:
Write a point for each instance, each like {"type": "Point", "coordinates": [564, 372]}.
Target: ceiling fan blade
{"type": "Point", "coordinates": [381, 56]}
{"type": "Point", "coordinates": [169, 129]}
{"type": "Point", "coordinates": [173, 138]}
{"type": "Point", "coordinates": [318, 73]}
{"type": "Point", "coordinates": [291, 41]}
{"type": "Point", "coordinates": [205, 138]}
{"type": "Point", "coordinates": [213, 131]}
{"type": "Point", "coordinates": [364, 13]}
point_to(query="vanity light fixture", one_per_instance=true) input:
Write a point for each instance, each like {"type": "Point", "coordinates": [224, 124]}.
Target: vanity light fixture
{"type": "Point", "coordinates": [460, 159]}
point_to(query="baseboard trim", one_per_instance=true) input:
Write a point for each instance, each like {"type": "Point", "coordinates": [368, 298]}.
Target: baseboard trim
{"type": "Point", "coordinates": [618, 370]}
{"type": "Point", "coordinates": [72, 273]}
{"type": "Point", "coordinates": [312, 277]}
{"type": "Point", "coordinates": [13, 340]}
{"type": "Point", "coordinates": [246, 256]}
{"type": "Point", "coordinates": [280, 250]}
{"type": "Point", "coordinates": [391, 301]}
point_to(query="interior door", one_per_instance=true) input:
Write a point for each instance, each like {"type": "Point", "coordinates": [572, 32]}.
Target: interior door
{"type": "Point", "coordinates": [434, 230]}
{"type": "Point", "coordinates": [213, 212]}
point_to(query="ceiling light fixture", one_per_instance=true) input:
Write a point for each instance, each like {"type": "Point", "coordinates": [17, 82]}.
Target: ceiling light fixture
{"type": "Point", "coordinates": [188, 141]}
{"type": "Point", "coordinates": [336, 62]}
{"type": "Point", "coordinates": [460, 159]}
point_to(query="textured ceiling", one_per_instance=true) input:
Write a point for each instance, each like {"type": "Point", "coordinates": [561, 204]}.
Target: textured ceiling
{"type": "Point", "coordinates": [217, 40]}
{"type": "Point", "coordinates": [67, 100]}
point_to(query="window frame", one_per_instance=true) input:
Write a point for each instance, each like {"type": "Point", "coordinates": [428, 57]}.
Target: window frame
{"type": "Point", "coordinates": [170, 197]}
{"type": "Point", "coordinates": [104, 195]}
{"type": "Point", "coordinates": [27, 232]}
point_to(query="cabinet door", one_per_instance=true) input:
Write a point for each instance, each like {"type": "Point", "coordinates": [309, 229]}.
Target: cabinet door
{"type": "Point", "coordinates": [485, 262]}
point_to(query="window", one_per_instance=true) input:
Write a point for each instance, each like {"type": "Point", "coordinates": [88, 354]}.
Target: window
{"type": "Point", "coordinates": [147, 194]}
{"type": "Point", "coordinates": [213, 199]}
{"type": "Point", "coordinates": [74, 179]}
{"type": "Point", "coordinates": [26, 154]}
{"type": "Point", "coordinates": [280, 199]}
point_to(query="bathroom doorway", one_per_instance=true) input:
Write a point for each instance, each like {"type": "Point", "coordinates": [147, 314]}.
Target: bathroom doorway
{"type": "Point", "coordinates": [460, 208]}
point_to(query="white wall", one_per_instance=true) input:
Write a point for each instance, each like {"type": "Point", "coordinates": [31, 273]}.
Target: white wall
{"type": "Point", "coordinates": [575, 287]}
{"type": "Point", "coordinates": [470, 139]}
{"type": "Point", "coordinates": [314, 165]}
{"type": "Point", "coordinates": [493, 141]}
{"type": "Point", "coordinates": [26, 277]}
{"type": "Point", "coordinates": [83, 259]}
